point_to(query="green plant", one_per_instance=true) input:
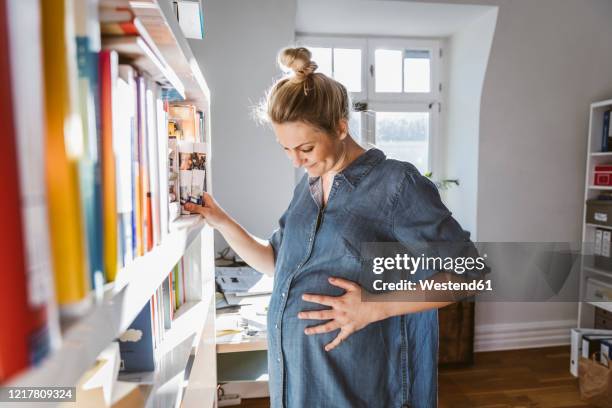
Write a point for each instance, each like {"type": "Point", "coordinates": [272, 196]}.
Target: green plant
{"type": "Point", "coordinates": [444, 184]}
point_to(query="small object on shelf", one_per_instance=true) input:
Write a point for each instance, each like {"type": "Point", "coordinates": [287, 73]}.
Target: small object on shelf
{"type": "Point", "coordinates": [603, 175]}
{"type": "Point", "coordinates": [599, 212]}
{"type": "Point", "coordinates": [189, 15]}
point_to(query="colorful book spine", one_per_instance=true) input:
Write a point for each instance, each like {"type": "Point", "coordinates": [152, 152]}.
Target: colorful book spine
{"type": "Point", "coordinates": [28, 109]}
{"type": "Point", "coordinates": [108, 76]}
{"type": "Point", "coordinates": [143, 222]}
{"type": "Point", "coordinates": [15, 321]}
{"type": "Point", "coordinates": [153, 162]}
{"type": "Point", "coordinates": [87, 46]}
{"type": "Point", "coordinates": [123, 133]}
{"type": "Point", "coordinates": [63, 151]}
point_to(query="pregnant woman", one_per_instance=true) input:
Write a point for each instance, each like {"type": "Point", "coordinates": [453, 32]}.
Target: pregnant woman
{"type": "Point", "coordinates": [327, 347]}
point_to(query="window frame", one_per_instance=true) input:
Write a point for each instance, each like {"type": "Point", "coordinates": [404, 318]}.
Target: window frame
{"type": "Point", "coordinates": [390, 101]}
{"type": "Point", "coordinates": [368, 126]}
{"type": "Point", "coordinates": [433, 46]}
{"type": "Point", "coordinates": [341, 42]}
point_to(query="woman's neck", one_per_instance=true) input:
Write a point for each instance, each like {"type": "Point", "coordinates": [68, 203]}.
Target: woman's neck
{"type": "Point", "coordinates": [351, 151]}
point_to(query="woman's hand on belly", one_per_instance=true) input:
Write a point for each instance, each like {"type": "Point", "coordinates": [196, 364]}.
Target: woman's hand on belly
{"type": "Point", "coordinates": [348, 312]}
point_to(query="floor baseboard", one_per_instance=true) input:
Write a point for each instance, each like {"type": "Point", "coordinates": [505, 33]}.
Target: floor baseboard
{"type": "Point", "coordinates": [512, 336]}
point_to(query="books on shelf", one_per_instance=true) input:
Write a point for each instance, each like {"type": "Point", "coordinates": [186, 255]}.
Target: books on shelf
{"type": "Point", "coordinates": [85, 167]}
{"type": "Point", "coordinates": [141, 343]}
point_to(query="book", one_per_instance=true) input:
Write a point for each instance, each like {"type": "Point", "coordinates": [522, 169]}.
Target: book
{"type": "Point", "coordinates": [592, 343]}
{"type": "Point", "coordinates": [124, 130]}
{"type": "Point", "coordinates": [64, 141]}
{"type": "Point", "coordinates": [186, 151]}
{"type": "Point", "coordinates": [108, 71]}
{"type": "Point", "coordinates": [153, 162]}
{"type": "Point", "coordinates": [136, 343]}
{"type": "Point", "coordinates": [606, 351]}
{"type": "Point", "coordinates": [143, 161]}
{"type": "Point", "coordinates": [186, 122]}
{"type": "Point", "coordinates": [605, 134]}
{"type": "Point", "coordinates": [36, 315]}
{"type": "Point", "coordinates": [190, 18]}
{"type": "Point", "coordinates": [576, 352]}
{"type": "Point", "coordinates": [162, 150]}
{"type": "Point", "coordinates": [87, 48]}
{"type": "Point", "coordinates": [14, 350]}
{"type": "Point", "coordinates": [198, 178]}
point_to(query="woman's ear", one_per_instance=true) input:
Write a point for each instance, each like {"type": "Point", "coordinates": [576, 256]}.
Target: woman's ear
{"type": "Point", "coordinates": [342, 129]}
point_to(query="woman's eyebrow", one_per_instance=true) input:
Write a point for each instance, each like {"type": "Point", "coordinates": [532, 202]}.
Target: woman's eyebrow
{"type": "Point", "coordinates": [300, 145]}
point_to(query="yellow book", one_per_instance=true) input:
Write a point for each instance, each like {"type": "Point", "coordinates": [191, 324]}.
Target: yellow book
{"type": "Point", "coordinates": [64, 147]}
{"type": "Point", "coordinates": [108, 73]}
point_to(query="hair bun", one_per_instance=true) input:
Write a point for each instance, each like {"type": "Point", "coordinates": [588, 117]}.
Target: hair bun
{"type": "Point", "coordinates": [297, 60]}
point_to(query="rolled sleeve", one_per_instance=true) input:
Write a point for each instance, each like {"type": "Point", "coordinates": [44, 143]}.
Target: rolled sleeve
{"type": "Point", "coordinates": [276, 239]}
{"type": "Point", "coordinates": [422, 223]}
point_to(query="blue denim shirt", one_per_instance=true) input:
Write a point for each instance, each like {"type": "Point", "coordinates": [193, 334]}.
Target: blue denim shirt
{"type": "Point", "coordinates": [390, 363]}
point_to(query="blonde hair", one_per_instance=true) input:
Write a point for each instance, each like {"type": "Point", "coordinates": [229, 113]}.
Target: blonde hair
{"type": "Point", "coordinates": [305, 95]}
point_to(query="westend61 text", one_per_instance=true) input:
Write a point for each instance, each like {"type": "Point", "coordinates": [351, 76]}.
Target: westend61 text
{"type": "Point", "coordinates": [476, 285]}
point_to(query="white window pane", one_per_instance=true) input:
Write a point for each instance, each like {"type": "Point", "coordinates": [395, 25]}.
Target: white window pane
{"type": "Point", "coordinates": [347, 68]}
{"type": "Point", "coordinates": [323, 58]}
{"type": "Point", "coordinates": [404, 136]}
{"type": "Point", "coordinates": [355, 127]}
{"type": "Point", "coordinates": [388, 70]}
{"type": "Point", "coordinates": [417, 71]}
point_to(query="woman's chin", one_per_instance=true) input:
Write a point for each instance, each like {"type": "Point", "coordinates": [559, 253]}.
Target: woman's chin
{"type": "Point", "coordinates": [312, 171]}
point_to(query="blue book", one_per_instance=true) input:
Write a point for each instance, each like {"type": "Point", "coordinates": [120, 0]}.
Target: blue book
{"type": "Point", "coordinates": [89, 166]}
{"type": "Point", "coordinates": [136, 344]}
{"type": "Point", "coordinates": [605, 132]}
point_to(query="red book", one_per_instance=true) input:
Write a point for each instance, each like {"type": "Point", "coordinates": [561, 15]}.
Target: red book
{"type": "Point", "coordinates": [15, 318]}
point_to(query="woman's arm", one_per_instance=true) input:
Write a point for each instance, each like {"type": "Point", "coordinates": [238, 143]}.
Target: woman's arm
{"type": "Point", "coordinates": [256, 252]}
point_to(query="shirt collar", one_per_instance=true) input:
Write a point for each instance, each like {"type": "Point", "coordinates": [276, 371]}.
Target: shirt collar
{"type": "Point", "coordinates": [353, 173]}
{"type": "Point", "coordinates": [361, 166]}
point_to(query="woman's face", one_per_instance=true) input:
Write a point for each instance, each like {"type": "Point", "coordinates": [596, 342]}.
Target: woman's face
{"type": "Point", "coordinates": [309, 147]}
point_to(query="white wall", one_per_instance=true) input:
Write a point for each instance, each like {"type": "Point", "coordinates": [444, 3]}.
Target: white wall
{"type": "Point", "coordinates": [253, 179]}
{"type": "Point", "coordinates": [550, 59]}
{"type": "Point", "coordinates": [466, 61]}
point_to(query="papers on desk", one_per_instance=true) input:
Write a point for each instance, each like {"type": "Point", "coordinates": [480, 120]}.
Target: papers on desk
{"type": "Point", "coordinates": [242, 281]}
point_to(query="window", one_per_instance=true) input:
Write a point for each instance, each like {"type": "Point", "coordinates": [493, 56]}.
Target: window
{"type": "Point", "coordinates": [395, 87]}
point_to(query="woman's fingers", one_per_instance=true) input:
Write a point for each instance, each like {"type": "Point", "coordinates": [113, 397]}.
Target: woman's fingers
{"type": "Point", "coordinates": [321, 299]}
{"type": "Point", "coordinates": [343, 335]}
{"type": "Point", "coordinates": [317, 315]}
{"type": "Point", "coordinates": [323, 328]}
{"type": "Point", "coordinates": [345, 284]}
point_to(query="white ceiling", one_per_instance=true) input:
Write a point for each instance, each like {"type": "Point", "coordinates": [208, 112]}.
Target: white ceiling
{"type": "Point", "coordinates": [383, 17]}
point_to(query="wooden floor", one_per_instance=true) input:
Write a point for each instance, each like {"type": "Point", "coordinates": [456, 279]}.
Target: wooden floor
{"type": "Point", "coordinates": [503, 379]}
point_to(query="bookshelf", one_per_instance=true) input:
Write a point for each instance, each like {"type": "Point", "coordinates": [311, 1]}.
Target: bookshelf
{"type": "Point", "coordinates": [186, 371]}
{"type": "Point", "coordinates": [591, 276]}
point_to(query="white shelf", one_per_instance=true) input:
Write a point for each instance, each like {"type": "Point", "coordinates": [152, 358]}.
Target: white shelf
{"type": "Point", "coordinates": [83, 341]}
{"type": "Point", "coordinates": [601, 104]}
{"type": "Point", "coordinates": [602, 154]}
{"type": "Point", "coordinates": [602, 305]}
{"type": "Point", "coordinates": [603, 188]}
{"type": "Point", "coordinates": [159, 20]}
{"type": "Point", "coordinates": [588, 224]}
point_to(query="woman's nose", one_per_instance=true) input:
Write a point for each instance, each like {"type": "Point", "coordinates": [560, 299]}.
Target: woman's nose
{"type": "Point", "coordinates": [296, 159]}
